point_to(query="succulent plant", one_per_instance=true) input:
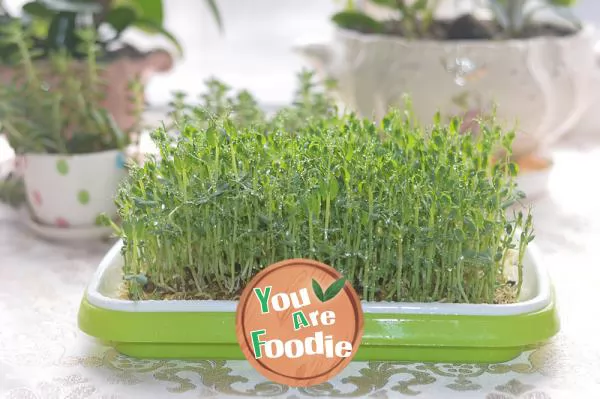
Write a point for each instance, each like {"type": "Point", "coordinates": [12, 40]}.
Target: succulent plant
{"type": "Point", "coordinates": [515, 15]}
{"type": "Point", "coordinates": [414, 18]}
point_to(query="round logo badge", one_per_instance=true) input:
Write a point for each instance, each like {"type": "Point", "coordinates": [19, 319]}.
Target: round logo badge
{"type": "Point", "coordinates": [299, 322]}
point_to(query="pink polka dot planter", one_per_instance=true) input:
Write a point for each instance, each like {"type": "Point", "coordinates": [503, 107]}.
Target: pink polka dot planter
{"type": "Point", "coordinates": [72, 190]}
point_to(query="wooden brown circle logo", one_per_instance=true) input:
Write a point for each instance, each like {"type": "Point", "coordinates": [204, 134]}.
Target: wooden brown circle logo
{"type": "Point", "coordinates": [299, 322]}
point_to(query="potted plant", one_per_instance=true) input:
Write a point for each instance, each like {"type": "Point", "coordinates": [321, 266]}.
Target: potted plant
{"type": "Point", "coordinates": [54, 25]}
{"type": "Point", "coordinates": [414, 219]}
{"type": "Point", "coordinates": [536, 70]}
{"type": "Point", "coordinates": [72, 150]}
{"type": "Point", "coordinates": [116, 74]}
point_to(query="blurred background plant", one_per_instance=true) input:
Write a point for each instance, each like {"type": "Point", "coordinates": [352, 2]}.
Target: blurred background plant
{"type": "Point", "coordinates": [70, 85]}
{"type": "Point", "coordinates": [515, 15]}
{"type": "Point", "coordinates": [54, 25]}
{"type": "Point", "coordinates": [312, 100]}
{"type": "Point", "coordinates": [415, 19]}
{"type": "Point", "coordinates": [54, 105]}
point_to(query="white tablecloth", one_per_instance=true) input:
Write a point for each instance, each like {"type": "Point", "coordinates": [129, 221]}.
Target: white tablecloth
{"type": "Point", "coordinates": [44, 355]}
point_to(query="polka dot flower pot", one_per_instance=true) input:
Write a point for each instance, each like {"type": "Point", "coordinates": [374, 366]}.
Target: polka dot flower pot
{"type": "Point", "coordinates": [72, 190]}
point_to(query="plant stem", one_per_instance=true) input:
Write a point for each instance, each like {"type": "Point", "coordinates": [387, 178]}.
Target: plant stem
{"type": "Point", "coordinates": [514, 11]}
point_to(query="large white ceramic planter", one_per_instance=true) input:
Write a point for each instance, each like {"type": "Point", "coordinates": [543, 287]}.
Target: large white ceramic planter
{"type": "Point", "coordinates": [72, 190]}
{"type": "Point", "coordinates": [540, 83]}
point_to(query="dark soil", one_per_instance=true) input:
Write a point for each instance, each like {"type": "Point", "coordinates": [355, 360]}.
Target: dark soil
{"type": "Point", "coordinates": [467, 27]}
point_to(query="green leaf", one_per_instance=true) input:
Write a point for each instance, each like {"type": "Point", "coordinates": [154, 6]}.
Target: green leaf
{"type": "Point", "coordinates": [357, 21]}
{"type": "Point", "coordinates": [214, 10]}
{"type": "Point", "coordinates": [334, 188]}
{"type": "Point", "coordinates": [211, 136]}
{"type": "Point", "coordinates": [12, 191]}
{"type": "Point", "coordinates": [121, 18]}
{"type": "Point", "coordinates": [153, 27]}
{"type": "Point", "coordinates": [138, 278]}
{"type": "Point", "coordinates": [513, 169]}
{"type": "Point", "coordinates": [318, 290]}
{"type": "Point", "coordinates": [7, 51]}
{"type": "Point", "coordinates": [76, 6]}
{"type": "Point", "coordinates": [37, 9]}
{"type": "Point", "coordinates": [386, 3]}
{"type": "Point", "coordinates": [334, 289]}
{"type": "Point", "coordinates": [151, 10]}
{"type": "Point", "coordinates": [420, 5]}
{"type": "Point", "coordinates": [562, 3]}
{"type": "Point", "coordinates": [61, 33]}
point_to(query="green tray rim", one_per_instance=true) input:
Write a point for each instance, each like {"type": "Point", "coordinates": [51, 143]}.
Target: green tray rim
{"type": "Point", "coordinates": [426, 337]}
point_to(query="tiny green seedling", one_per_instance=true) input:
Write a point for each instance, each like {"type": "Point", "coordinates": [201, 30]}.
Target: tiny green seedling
{"type": "Point", "coordinates": [331, 291]}
{"type": "Point", "coordinates": [405, 213]}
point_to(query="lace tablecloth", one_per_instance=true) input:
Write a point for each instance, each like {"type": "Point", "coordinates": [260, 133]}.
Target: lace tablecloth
{"type": "Point", "coordinates": [44, 355]}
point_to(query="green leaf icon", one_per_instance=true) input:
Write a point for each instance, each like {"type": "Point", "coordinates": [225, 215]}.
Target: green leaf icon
{"type": "Point", "coordinates": [334, 289]}
{"type": "Point", "coordinates": [331, 292]}
{"type": "Point", "coordinates": [318, 290]}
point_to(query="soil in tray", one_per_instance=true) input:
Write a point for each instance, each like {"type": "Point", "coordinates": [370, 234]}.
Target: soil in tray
{"type": "Point", "coordinates": [506, 292]}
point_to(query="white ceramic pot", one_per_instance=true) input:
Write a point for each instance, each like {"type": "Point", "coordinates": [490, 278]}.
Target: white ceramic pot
{"type": "Point", "coordinates": [72, 190]}
{"type": "Point", "coordinates": [540, 85]}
